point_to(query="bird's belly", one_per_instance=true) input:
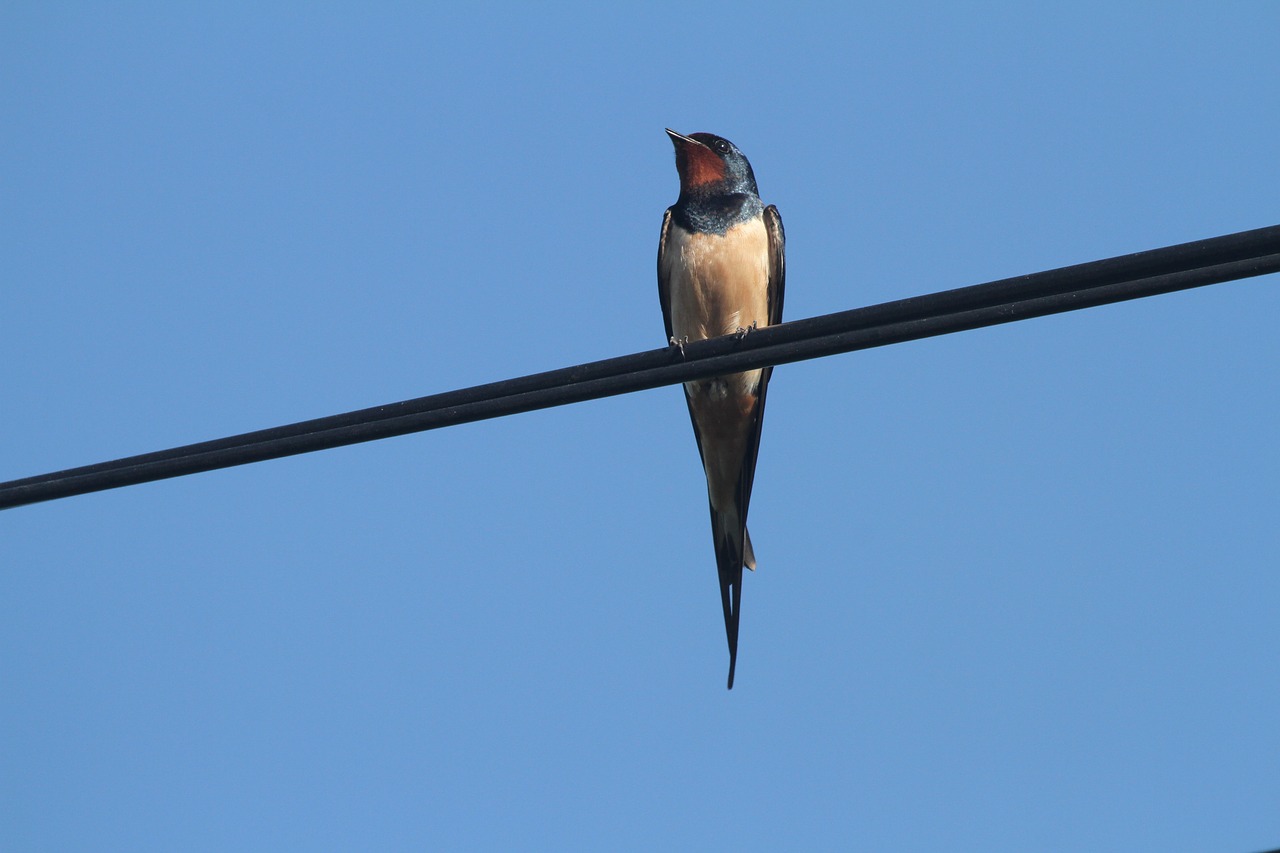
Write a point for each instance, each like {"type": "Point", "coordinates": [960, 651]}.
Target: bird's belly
{"type": "Point", "coordinates": [719, 283]}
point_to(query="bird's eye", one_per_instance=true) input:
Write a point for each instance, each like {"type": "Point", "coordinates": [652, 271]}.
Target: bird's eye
{"type": "Point", "coordinates": [722, 146]}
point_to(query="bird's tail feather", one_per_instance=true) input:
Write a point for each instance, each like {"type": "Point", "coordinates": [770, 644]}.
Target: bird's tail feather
{"type": "Point", "coordinates": [733, 552]}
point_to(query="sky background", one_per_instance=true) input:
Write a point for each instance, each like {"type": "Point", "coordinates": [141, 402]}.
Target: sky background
{"type": "Point", "coordinates": [1018, 587]}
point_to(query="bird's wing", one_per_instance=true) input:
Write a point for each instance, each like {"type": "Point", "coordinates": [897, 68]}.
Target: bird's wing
{"type": "Point", "coordinates": [664, 286]}
{"type": "Point", "coordinates": [777, 262]}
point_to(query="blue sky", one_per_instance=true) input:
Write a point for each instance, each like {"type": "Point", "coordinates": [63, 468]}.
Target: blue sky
{"type": "Point", "coordinates": [1017, 586]}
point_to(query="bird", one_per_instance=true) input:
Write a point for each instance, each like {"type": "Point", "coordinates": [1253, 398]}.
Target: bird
{"type": "Point", "coordinates": [721, 271]}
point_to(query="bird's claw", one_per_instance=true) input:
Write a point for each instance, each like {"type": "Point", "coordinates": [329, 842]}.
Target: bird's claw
{"type": "Point", "coordinates": [678, 343]}
{"type": "Point", "coordinates": [744, 331]}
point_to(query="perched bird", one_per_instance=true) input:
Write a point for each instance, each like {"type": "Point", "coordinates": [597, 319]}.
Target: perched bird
{"type": "Point", "coordinates": [721, 272]}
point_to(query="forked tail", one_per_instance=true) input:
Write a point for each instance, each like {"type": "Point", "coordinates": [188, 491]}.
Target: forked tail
{"type": "Point", "coordinates": [733, 552]}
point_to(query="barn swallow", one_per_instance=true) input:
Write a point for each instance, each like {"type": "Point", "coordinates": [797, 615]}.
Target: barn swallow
{"type": "Point", "coordinates": [721, 272]}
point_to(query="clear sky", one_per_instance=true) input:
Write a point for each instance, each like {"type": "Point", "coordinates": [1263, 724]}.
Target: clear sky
{"type": "Point", "coordinates": [1018, 587]}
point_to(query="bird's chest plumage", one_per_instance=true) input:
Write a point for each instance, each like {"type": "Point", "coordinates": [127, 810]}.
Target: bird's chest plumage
{"type": "Point", "coordinates": [718, 284]}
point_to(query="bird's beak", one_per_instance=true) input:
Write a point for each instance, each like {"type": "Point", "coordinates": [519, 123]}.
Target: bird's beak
{"type": "Point", "coordinates": [678, 138]}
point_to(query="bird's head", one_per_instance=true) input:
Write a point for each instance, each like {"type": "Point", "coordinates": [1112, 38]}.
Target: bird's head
{"type": "Point", "coordinates": [711, 165]}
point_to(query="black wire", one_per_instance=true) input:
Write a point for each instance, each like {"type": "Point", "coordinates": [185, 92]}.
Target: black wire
{"type": "Point", "coordinates": [1188, 265]}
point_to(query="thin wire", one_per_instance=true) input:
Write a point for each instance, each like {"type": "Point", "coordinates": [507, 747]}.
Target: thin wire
{"type": "Point", "coordinates": [1180, 267]}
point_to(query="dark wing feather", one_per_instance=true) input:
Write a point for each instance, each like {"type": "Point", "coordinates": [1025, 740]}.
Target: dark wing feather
{"type": "Point", "coordinates": [777, 283]}
{"type": "Point", "coordinates": [777, 262]}
{"type": "Point", "coordinates": [664, 286]}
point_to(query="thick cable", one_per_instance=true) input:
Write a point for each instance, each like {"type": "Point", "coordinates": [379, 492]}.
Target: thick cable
{"type": "Point", "coordinates": [1180, 267]}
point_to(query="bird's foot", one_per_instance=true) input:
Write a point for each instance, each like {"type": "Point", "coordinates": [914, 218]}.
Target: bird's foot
{"type": "Point", "coordinates": [678, 343]}
{"type": "Point", "coordinates": [744, 331]}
